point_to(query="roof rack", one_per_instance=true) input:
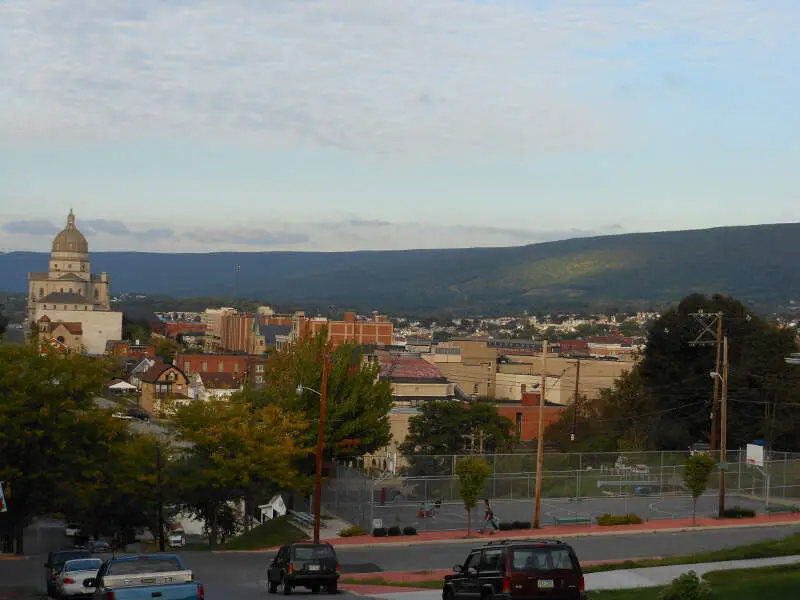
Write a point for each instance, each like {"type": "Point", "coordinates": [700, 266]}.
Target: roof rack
{"type": "Point", "coordinates": [526, 540]}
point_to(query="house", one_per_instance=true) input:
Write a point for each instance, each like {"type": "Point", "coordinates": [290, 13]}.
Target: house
{"type": "Point", "coordinates": [413, 379]}
{"type": "Point", "coordinates": [162, 386]}
{"type": "Point", "coordinates": [66, 334]}
{"type": "Point", "coordinates": [144, 365]}
{"type": "Point", "coordinates": [126, 354]}
{"type": "Point", "coordinates": [213, 386]}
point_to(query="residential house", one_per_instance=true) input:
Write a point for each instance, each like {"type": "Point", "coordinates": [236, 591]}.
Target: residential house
{"type": "Point", "coordinates": [213, 386]}
{"type": "Point", "coordinates": [144, 365]}
{"type": "Point", "coordinates": [126, 354]}
{"type": "Point", "coordinates": [68, 335]}
{"type": "Point", "coordinates": [162, 386]}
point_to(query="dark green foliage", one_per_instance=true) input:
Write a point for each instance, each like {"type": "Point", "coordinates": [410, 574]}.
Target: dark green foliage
{"type": "Point", "coordinates": [379, 532]}
{"type": "Point", "coordinates": [409, 531]}
{"type": "Point", "coordinates": [607, 520]}
{"type": "Point", "coordinates": [755, 263]}
{"type": "Point", "coordinates": [505, 526]}
{"type": "Point", "coordinates": [687, 587]}
{"type": "Point", "coordinates": [394, 531]}
{"type": "Point", "coordinates": [737, 512]}
{"type": "Point", "coordinates": [696, 473]}
{"type": "Point", "coordinates": [521, 525]}
{"type": "Point", "coordinates": [352, 531]}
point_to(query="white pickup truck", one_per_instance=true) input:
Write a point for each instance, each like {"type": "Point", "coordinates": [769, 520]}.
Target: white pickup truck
{"type": "Point", "coordinates": [177, 538]}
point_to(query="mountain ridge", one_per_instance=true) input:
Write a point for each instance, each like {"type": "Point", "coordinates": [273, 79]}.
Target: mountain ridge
{"type": "Point", "coordinates": [754, 263]}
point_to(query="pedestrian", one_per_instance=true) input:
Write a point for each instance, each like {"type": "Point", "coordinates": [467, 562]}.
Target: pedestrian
{"type": "Point", "coordinates": [488, 518]}
{"type": "Point", "coordinates": [437, 506]}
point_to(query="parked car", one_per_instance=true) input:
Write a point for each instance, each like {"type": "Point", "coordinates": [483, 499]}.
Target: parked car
{"type": "Point", "coordinates": [138, 413]}
{"type": "Point", "coordinates": [145, 576]}
{"type": "Point", "coordinates": [99, 547]}
{"type": "Point", "coordinates": [517, 569]}
{"type": "Point", "coordinates": [177, 538]}
{"type": "Point", "coordinates": [55, 561]}
{"type": "Point", "coordinates": [304, 564]}
{"type": "Point", "coordinates": [70, 579]}
{"type": "Point", "coordinates": [72, 530]}
{"type": "Point", "coordinates": [121, 415]}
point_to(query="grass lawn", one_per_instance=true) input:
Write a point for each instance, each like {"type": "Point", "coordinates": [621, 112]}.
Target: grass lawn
{"type": "Point", "coordinates": [431, 584]}
{"type": "Point", "coordinates": [272, 533]}
{"type": "Point", "coordinates": [784, 547]}
{"type": "Point", "coordinates": [745, 584]}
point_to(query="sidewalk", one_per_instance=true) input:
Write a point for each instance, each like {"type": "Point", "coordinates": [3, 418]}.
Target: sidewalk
{"type": "Point", "coordinates": [609, 580]}
{"type": "Point", "coordinates": [568, 531]}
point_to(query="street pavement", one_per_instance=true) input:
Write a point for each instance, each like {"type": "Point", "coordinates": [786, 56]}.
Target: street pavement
{"type": "Point", "coordinates": [649, 508]}
{"type": "Point", "coordinates": [241, 575]}
{"type": "Point", "coordinates": [629, 578]}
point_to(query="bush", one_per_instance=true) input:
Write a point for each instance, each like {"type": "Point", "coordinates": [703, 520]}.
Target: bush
{"type": "Point", "coordinates": [409, 531]}
{"type": "Point", "coordinates": [687, 587]}
{"type": "Point", "coordinates": [608, 519]}
{"type": "Point", "coordinates": [737, 512]}
{"type": "Point", "coordinates": [505, 526]}
{"type": "Point", "coordinates": [379, 532]}
{"type": "Point", "coordinates": [394, 531]}
{"type": "Point", "coordinates": [352, 531]}
{"type": "Point", "coordinates": [521, 525]}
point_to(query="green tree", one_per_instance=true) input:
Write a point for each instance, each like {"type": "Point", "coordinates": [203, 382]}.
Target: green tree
{"type": "Point", "coordinates": [473, 472]}
{"type": "Point", "coordinates": [236, 450]}
{"type": "Point", "coordinates": [358, 400]}
{"type": "Point", "coordinates": [133, 330]}
{"type": "Point", "coordinates": [45, 398]}
{"type": "Point", "coordinates": [3, 321]}
{"type": "Point", "coordinates": [445, 428]}
{"type": "Point", "coordinates": [696, 473]}
{"type": "Point", "coordinates": [166, 349]}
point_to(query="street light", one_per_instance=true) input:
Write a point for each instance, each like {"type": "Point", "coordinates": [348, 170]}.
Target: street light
{"type": "Point", "coordinates": [320, 442]}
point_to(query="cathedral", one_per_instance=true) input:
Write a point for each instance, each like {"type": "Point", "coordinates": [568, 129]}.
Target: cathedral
{"type": "Point", "coordinates": [70, 306]}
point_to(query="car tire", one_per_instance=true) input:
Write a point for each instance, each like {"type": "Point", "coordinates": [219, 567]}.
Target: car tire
{"type": "Point", "coordinates": [314, 589]}
{"type": "Point", "coordinates": [333, 589]}
{"type": "Point", "coordinates": [287, 588]}
{"type": "Point", "coordinates": [448, 594]}
{"type": "Point", "coordinates": [487, 596]}
{"type": "Point", "coordinates": [272, 587]}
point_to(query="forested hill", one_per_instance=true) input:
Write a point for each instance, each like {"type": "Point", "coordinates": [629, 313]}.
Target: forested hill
{"type": "Point", "coordinates": [757, 264]}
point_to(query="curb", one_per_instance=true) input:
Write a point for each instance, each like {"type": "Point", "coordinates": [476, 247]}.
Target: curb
{"type": "Point", "coordinates": [534, 533]}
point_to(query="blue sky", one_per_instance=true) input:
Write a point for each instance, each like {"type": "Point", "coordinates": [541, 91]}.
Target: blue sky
{"type": "Point", "coordinates": [365, 124]}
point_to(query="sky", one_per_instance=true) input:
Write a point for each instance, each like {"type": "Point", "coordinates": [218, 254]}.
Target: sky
{"type": "Point", "coordinates": [250, 125]}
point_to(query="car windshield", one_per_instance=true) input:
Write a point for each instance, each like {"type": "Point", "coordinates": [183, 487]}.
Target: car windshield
{"type": "Point", "coordinates": [312, 552]}
{"type": "Point", "coordinates": [86, 564]}
{"type": "Point", "coordinates": [62, 557]}
{"type": "Point", "coordinates": [144, 565]}
{"type": "Point", "coordinates": [539, 558]}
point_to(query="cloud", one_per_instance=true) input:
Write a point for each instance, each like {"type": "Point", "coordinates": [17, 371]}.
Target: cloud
{"type": "Point", "coordinates": [248, 237]}
{"type": "Point", "coordinates": [400, 77]}
{"type": "Point", "coordinates": [94, 226]}
{"type": "Point", "coordinates": [32, 227]}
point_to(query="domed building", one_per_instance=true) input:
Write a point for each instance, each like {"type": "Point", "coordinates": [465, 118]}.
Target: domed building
{"type": "Point", "coordinates": [69, 294]}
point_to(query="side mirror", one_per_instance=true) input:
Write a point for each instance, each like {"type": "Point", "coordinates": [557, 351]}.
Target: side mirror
{"type": "Point", "coordinates": [472, 571]}
{"type": "Point", "coordinates": [90, 582]}
{"type": "Point", "coordinates": [457, 568]}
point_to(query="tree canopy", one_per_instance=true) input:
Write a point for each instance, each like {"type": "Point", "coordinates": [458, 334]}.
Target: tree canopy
{"type": "Point", "coordinates": [472, 473]}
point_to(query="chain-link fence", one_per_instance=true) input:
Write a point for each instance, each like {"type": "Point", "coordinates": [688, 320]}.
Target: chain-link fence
{"type": "Point", "coordinates": [647, 483]}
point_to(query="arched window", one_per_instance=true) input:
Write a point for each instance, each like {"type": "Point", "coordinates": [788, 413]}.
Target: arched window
{"type": "Point", "coordinates": [96, 294]}
{"type": "Point", "coordinates": [60, 339]}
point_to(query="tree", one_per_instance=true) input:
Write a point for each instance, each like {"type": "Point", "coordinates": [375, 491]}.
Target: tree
{"type": "Point", "coordinates": [166, 349]}
{"type": "Point", "coordinates": [472, 472]}
{"type": "Point", "coordinates": [358, 401]}
{"type": "Point", "coordinates": [3, 321]}
{"type": "Point", "coordinates": [237, 449]}
{"type": "Point", "coordinates": [45, 397]}
{"type": "Point", "coordinates": [696, 472]}
{"type": "Point", "coordinates": [445, 428]}
{"type": "Point", "coordinates": [133, 330]}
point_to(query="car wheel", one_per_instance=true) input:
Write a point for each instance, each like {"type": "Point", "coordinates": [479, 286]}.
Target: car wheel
{"type": "Point", "coordinates": [272, 587]}
{"type": "Point", "coordinates": [315, 589]}
{"type": "Point", "coordinates": [287, 588]}
{"type": "Point", "coordinates": [448, 594]}
{"type": "Point", "coordinates": [333, 588]}
{"type": "Point", "coordinates": [487, 596]}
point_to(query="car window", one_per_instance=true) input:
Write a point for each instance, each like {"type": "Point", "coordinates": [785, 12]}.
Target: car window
{"type": "Point", "coordinates": [62, 557]}
{"type": "Point", "coordinates": [541, 559]}
{"type": "Point", "coordinates": [87, 564]}
{"type": "Point", "coordinates": [312, 552]}
{"type": "Point", "coordinates": [490, 560]}
{"type": "Point", "coordinates": [472, 561]}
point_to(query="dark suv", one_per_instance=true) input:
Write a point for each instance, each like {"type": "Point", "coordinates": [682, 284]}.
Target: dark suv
{"type": "Point", "coordinates": [55, 562]}
{"type": "Point", "coordinates": [308, 565]}
{"type": "Point", "coordinates": [517, 570]}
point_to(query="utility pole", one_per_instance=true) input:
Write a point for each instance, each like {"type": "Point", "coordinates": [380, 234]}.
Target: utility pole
{"type": "Point", "coordinates": [576, 399]}
{"type": "Point", "coordinates": [321, 442]}
{"type": "Point", "coordinates": [723, 441]}
{"type": "Point", "coordinates": [160, 499]}
{"type": "Point", "coordinates": [708, 321]}
{"type": "Point", "coordinates": [540, 440]}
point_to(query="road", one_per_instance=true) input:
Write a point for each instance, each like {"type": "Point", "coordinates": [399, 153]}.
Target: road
{"type": "Point", "coordinates": [241, 575]}
{"type": "Point", "coordinates": [453, 516]}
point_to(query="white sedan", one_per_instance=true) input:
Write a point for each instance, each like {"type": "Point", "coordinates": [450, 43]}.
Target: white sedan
{"type": "Point", "coordinates": [72, 530]}
{"type": "Point", "coordinates": [69, 581]}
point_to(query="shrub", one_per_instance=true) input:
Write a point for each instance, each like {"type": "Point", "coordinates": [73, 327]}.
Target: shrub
{"type": "Point", "coordinates": [394, 531]}
{"type": "Point", "coordinates": [687, 587]}
{"type": "Point", "coordinates": [521, 525]}
{"type": "Point", "coordinates": [379, 532]}
{"type": "Point", "coordinates": [608, 519]}
{"type": "Point", "coordinates": [352, 531]}
{"type": "Point", "coordinates": [409, 531]}
{"type": "Point", "coordinates": [737, 512]}
{"type": "Point", "coordinates": [505, 526]}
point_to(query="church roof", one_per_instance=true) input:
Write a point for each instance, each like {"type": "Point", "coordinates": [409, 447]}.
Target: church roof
{"type": "Point", "coordinates": [65, 298]}
{"type": "Point", "coordinates": [71, 277]}
{"type": "Point", "coordinates": [70, 239]}
{"type": "Point", "coordinates": [73, 328]}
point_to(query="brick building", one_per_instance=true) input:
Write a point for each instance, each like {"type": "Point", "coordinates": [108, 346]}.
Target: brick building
{"type": "Point", "coordinates": [524, 414]}
{"type": "Point", "coordinates": [376, 330]}
{"type": "Point", "coordinates": [241, 366]}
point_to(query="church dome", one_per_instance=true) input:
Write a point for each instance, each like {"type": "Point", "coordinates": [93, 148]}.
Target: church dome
{"type": "Point", "coordinates": [70, 239]}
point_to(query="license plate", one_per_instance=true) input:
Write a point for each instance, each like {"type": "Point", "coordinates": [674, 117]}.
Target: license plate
{"type": "Point", "coordinates": [148, 580]}
{"type": "Point", "coordinates": [545, 584]}
{"type": "Point", "coordinates": [313, 567]}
